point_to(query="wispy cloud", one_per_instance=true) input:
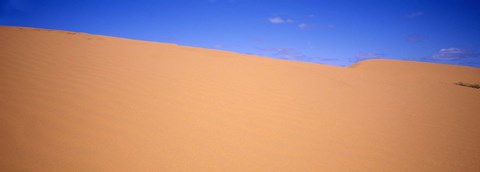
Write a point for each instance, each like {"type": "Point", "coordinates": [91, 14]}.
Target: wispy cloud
{"type": "Point", "coordinates": [284, 53]}
{"type": "Point", "coordinates": [293, 54]}
{"type": "Point", "coordinates": [455, 53]}
{"type": "Point", "coordinates": [313, 26]}
{"type": "Point", "coordinates": [455, 56]}
{"type": "Point", "coordinates": [414, 14]}
{"type": "Point", "coordinates": [279, 20]}
{"type": "Point", "coordinates": [304, 26]}
{"type": "Point", "coordinates": [368, 55]}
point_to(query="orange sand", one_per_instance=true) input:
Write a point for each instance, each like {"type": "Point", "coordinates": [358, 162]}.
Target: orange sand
{"type": "Point", "coordinates": [81, 102]}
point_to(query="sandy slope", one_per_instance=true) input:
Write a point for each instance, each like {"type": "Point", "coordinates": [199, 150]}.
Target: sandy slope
{"type": "Point", "coordinates": [80, 102]}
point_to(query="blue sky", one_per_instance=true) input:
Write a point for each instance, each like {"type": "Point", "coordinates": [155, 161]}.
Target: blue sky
{"type": "Point", "coordinates": [334, 32]}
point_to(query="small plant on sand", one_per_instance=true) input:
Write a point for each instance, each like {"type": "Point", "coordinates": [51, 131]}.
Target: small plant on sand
{"type": "Point", "coordinates": [477, 86]}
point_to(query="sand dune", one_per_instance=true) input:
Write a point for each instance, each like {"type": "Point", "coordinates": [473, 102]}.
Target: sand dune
{"type": "Point", "coordinates": [81, 102]}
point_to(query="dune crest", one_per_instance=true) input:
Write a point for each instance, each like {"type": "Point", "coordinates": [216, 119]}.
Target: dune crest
{"type": "Point", "coordinates": [81, 102]}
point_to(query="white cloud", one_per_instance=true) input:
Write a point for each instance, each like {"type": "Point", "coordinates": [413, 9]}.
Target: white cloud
{"type": "Point", "coordinates": [303, 26]}
{"type": "Point", "coordinates": [278, 20]}
{"type": "Point", "coordinates": [283, 53]}
{"type": "Point", "coordinates": [454, 53]}
{"type": "Point", "coordinates": [369, 55]}
{"type": "Point", "coordinates": [292, 54]}
{"type": "Point", "coordinates": [312, 26]}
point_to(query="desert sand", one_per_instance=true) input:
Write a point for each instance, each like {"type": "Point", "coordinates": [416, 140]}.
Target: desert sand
{"type": "Point", "coordinates": [81, 102]}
